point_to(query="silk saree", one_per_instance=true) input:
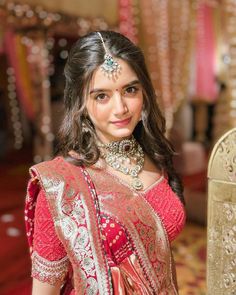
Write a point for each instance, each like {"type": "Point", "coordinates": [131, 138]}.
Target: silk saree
{"type": "Point", "coordinates": [114, 240]}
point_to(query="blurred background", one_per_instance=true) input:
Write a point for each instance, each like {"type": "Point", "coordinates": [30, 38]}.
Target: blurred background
{"type": "Point", "coordinates": [190, 50]}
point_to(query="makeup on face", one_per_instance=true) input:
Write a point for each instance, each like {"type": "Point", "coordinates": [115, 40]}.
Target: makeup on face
{"type": "Point", "coordinates": [115, 107]}
{"type": "Point", "coordinates": [134, 82]}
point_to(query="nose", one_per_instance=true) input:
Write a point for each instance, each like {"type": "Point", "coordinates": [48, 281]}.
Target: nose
{"type": "Point", "coordinates": [120, 106]}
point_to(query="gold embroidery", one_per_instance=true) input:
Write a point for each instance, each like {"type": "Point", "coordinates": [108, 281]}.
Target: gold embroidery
{"type": "Point", "coordinates": [76, 224]}
{"type": "Point", "coordinates": [48, 271]}
{"type": "Point", "coordinates": [144, 226]}
{"type": "Point", "coordinates": [72, 222]}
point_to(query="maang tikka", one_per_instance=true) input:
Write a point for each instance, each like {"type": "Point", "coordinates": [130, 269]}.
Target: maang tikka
{"type": "Point", "coordinates": [110, 67]}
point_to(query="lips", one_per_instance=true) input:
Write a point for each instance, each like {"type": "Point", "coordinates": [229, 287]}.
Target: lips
{"type": "Point", "coordinates": [122, 122]}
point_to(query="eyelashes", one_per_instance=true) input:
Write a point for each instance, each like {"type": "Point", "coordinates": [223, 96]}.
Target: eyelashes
{"type": "Point", "coordinates": [132, 89]}
{"type": "Point", "coordinates": [101, 96]}
{"type": "Point", "coordinates": [129, 91]}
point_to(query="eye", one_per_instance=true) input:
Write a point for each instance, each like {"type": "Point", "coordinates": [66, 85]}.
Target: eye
{"type": "Point", "coordinates": [131, 90]}
{"type": "Point", "coordinates": [101, 97]}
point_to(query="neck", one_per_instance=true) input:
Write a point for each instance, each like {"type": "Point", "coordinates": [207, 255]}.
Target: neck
{"type": "Point", "coordinates": [100, 142]}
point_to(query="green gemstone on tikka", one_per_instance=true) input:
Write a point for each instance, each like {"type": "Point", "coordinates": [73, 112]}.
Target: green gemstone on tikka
{"type": "Point", "coordinates": [110, 62]}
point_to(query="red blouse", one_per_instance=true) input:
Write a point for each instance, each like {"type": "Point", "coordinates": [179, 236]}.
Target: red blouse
{"type": "Point", "coordinates": [117, 246]}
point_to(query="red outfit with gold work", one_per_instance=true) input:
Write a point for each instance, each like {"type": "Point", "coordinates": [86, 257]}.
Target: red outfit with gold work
{"type": "Point", "coordinates": [131, 242]}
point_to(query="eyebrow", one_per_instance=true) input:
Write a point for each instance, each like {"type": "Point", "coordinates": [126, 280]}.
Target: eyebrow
{"type": "Point", "coordinates": [134, 82]}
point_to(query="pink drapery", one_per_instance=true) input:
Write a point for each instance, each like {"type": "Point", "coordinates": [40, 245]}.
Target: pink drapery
{"type": "Point", "coordinates": [127, 25]}
{"type": "Point", "coordinates": [166, 32]}
{"type": "Point", "coordinates": [205, 61]}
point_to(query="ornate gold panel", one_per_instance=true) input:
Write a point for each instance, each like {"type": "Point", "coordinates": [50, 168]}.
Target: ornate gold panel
{"type": "Point", "coordinates": [221, 235]}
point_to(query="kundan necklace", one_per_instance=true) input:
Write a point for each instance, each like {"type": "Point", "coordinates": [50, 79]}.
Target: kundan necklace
{"type": "Point", "coordinates": [125, 156]}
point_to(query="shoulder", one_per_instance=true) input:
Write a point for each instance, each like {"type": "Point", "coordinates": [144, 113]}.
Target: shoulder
{"type": "Point", "coordinates": [56, 169]}
{"type": "Point", "coordinates": [48, 174]}
{"type": "Point", "coordinates": [52, 165]}
{"type": "Point", "coordinates": [57, 175]}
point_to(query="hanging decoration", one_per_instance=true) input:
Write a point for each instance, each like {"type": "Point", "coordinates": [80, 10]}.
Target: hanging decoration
{"type": "Point", "coordinates": [14, 109]}
{"type": "Point", "coordinates": [205, 55]}
{"type": "Point", "coordinates": [167, 26]}
{"type": "Point", "coordinates": [225, 112]}
{"type": "Point", "coordinates": [29, 34]}
{"type": "Point", "coordinates": [229, 58]}
{"type": "Point", "coordinates": [38, 59]}
{"type": "Point", "coordinates": [129, 19]}
{"type": "Point", "coordinates": [30, 17]}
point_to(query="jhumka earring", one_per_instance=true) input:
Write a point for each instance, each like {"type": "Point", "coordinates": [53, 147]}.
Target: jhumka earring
{"type": "Point", "coordinates": [110, 67]}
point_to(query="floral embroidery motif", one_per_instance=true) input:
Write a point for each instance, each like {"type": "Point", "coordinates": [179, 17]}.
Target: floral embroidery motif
{"type": "Point", "coordinates": [73, 226]}
{"type": "Point", "coordinates": [143, 229]}
{"type": "Point", "coordinates": [76, 224]}
{"type": "Point", "coordinates": [48, 271]}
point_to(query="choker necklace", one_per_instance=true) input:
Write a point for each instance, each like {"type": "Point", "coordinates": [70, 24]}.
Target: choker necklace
{"type": "Point", "coordinates": [120, 155]}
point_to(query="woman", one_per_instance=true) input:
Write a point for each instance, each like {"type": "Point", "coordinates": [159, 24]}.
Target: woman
{"type": "Point", "coordinates": [100, 217]}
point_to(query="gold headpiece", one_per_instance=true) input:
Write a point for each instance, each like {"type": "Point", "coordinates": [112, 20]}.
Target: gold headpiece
{"type": "Point", "coordinates": [110, 67]}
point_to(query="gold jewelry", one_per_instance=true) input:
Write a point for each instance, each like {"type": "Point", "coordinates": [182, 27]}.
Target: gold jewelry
{"type": "Point", "coordinates": [120, 154]}
{"type": "Point", "coordinates": [110, 67]}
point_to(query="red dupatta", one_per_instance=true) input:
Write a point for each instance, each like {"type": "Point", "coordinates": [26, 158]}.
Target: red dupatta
{"type": "Point", "coordinates": [72, 201]}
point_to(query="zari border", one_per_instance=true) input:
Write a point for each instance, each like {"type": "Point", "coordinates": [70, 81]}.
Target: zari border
{"type": "Point", "coordinates": [170, 262]}
{"type": "Point", "coordinates": [48, 271]}
{"type": "Point", "coordinates": [117, 207]}
{"type": "Point", "coordinates": [88, 198]}
{"type": "Point", "coordinates": [62, 180]}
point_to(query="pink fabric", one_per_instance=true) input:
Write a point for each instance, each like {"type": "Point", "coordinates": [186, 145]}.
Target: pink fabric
{"type": "Point", "coordinates": [117, 246]}
{"type": "Point", "coordinates": [126, 18]}
{"type": "Point", "coordinates": [169, 208]}
{"type": "Point", "coordinates": [120, 241]}
{"type": "Point", "coordinates": [115, 240]}
{"type": "Point", "coordinates": [205, 55]}
{"type": "Point", "coordinates": [128, 279]}
{"type": "Point", "coordinates": [46, 242]}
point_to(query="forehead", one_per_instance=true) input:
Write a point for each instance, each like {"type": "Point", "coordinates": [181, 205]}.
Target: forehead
{"type": "Point", "coordinates": [101, 81]}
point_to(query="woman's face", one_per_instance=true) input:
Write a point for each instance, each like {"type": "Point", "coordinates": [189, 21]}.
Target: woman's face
{"type": "Point", "coordinates": [115, 105]}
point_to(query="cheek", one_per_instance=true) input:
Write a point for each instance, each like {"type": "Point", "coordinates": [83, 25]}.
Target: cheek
{"type": "Point", "coordinates": [137, 106]}
{"type": "Point", "coordinates": [98, 114]}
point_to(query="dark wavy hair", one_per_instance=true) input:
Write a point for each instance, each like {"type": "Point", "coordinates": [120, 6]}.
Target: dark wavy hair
{"type": "Point", "coordinates": [77, 131]}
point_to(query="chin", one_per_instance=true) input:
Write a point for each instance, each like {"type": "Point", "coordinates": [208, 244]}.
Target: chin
{"type": "Point", "coordinates": [122, 134]}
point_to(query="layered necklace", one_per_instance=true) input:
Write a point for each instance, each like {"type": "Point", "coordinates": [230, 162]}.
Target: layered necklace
{"type": "Point", "coordinates": [125, 156]}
